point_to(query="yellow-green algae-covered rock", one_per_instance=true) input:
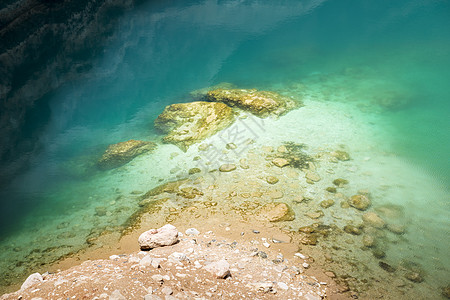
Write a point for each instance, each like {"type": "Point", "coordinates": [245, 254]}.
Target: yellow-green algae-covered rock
{"type": "Point", "coordinates": [260, 103]}
{"type": "Point", "coordinates": [188, 123]}
{"type": "Point", "coordinates": [276, 212]}
{"type": "Point", "coordinates": [121, 153]}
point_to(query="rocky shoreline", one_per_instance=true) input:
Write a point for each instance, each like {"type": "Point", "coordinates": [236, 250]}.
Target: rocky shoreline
{"type": "Point", "coordinates": [230, 262]}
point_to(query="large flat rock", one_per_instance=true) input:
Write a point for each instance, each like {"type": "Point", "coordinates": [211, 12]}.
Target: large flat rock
{"type": "Point", "coordinates": [121, 153]}
{"type": "Point", "coordinates": [188, 123]}
{"type": "Point", "coordinates": [260, 103]}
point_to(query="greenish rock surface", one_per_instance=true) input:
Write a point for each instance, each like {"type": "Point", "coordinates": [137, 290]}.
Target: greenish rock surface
{"type": "Point", "coordinates": [121, 153]}
{"type": "Point", "coordinates": [260, 103]}
{"type": "Point", "coordinates": [188, 123]}
{"type": "Point", "coordinates": [361, 202]}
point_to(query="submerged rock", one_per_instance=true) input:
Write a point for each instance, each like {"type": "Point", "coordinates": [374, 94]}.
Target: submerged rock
{"type": "Point", "coordinates": [227, 167]}
{"type": "Point", "coordinates": [312, 176]}
{"type": "Point", "coordinates": [387, 267]}
{"type": "Point", "coordinates": [340, 182]}
{"type": "Point", "coordinates": [373, 219]}
{"type": "Point", "coordinates": [340, 155]}
{"type": "Point", "coordinates": [352, 229]}
{"type": "Point", "coordinates": [414, 277]}
{"type": "Point", "coordinates": [368, 241]}
{"type": "Point", "coordinates": [188, 123]}
{"type": "Point", "coordinates": [275, 212]}
{"type": "Point", "coordinates": [396, 228]}
{"type": "Point", "coordinates": [153, 238]}
{"type": "Point", "coordinates": [327, 203]}
{"type": "Point", "coordinates": [260, 103]}
{"type": "Point", "coordinates": [272, 179]}
{"type": "Point", "coordinates": [121, 153]}
{"type": "Point", "coordinates": [361, 202]}
{"type": "Point", "coordinates": [280, 162]}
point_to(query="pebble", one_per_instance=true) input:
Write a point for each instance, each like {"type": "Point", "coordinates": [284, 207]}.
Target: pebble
{"type": "Point", "coordinates": [266, 244]}
{"type": "Point", "coordinates": [414, 277]}
{"type": "Point", "coordinates": [116, 295]}
{"type": "Point", "coordinates": [280, 162]}
{"type": "Point", "coordinates": [327, 203]}
{"type": "Point", "coordinates": [313, 176]}
{"type": "Point", "coordinates": [264, 287]}
{"type": "Point", "coordinates": [330, 274]}
{"type": "Point", "coordinates": [368, 241]}
{"type": "Point", "coordinates": [283, 286]}
{"type": "Point", "coordinates": [167, 290]}
{"type": "Point", "coordinates": [305, 265]}
{"type": "Point", "coordinates": [220, 269]}
{"type": "Point", "coordinates": [276, 194]}
{"type": "Point", "coordinates": [300, 255]}
{"type": "Point", "coordinates": [157, 277]}
{"type": "Point", "coordinates": [152, 297]}
{"type": "Point", "coordinates": [227, 167]}
{"type": "Point", "coordinates": [272, 179]}
{"type": "Point", "coordinates": [231, 146]}
{"type": "Point", "coordinates": [203, 147]}
{"type": "Point", "coordinates": [387, 267]}
{"type": "Point", "coordinates": [192, 231]}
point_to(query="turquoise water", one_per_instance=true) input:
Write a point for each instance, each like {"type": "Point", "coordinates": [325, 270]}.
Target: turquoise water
{"type": "Point", "coordinates": [396, 53]}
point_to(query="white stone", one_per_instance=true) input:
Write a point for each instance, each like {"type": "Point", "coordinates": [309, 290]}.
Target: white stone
{"type": "Point", "coordinates": [156, 262]}
{"type": "Point", "coordinates": [157, 277]}
{"type": "Point", "coordinates": [134, 259]}
{"type": "Point", "coordinates": [114, 257]}
{"type": "Point", "coordinates": [33, 279]}
{"type": "Point", "coordinates": [167, 290]}
{"type": "Point", "coordinates": [305, 265]}
{"type": "Point", "coordinates": [220, 269]}
{"type": "Point", "coordinates": [116, 295]}
{"type": "Point", "coordinates": [152, 297]}
{"type": "Point", "coordinates": [153, 238]}
{"type": "Point", "coordinates": [300, 255]}
{"type": "Point", "coordinates": [283, 286]}
{"type": "Point", "coordinates": [312, 297]}
{"type": "Point", "coordinates": [263, 286]}
{"type": "Point", "coordinates": [178, 256]}
{"type": "Point", "coordinates": [192, 231]}
{"type": "Point", "coordinates": [146, 261]}
{"type": "Point", "coordinates": [265, 244]}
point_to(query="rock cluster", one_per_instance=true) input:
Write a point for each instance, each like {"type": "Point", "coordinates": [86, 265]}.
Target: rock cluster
{"type": "Point", "coordinates": [121, 153]}
{"type": "Point", "coordinates": [202, 267]}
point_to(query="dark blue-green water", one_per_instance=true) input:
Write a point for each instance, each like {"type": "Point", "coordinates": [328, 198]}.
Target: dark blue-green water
{"type": "Point", "coordinates": [370, 50]}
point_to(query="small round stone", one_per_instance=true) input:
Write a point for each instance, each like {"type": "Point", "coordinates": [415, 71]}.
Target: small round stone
{"type": "Point", "coordinates": [272, 179]}
{"type": "Point", "coordinates": [227, 167]}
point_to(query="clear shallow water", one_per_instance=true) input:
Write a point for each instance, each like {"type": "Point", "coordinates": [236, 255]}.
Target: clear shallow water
{"type": "Point", "coordinates": [356, 52]}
